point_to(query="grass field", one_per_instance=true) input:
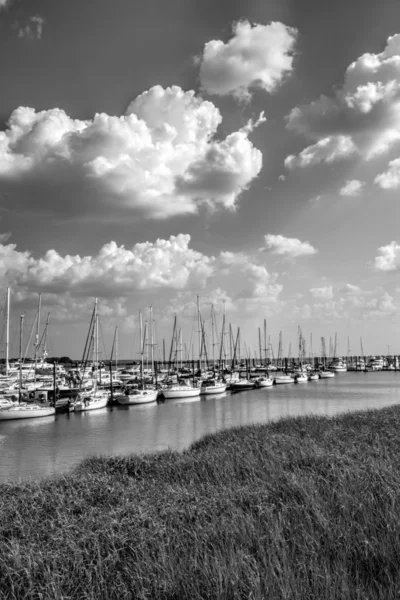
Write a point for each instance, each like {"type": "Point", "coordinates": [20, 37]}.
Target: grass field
{"type": "Point", "coordinates": [303, 508]}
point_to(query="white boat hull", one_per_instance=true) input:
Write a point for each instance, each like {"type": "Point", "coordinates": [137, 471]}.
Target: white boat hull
{"type": "Point", "coordinates": [283, 379]}
{"type": "Point", "coordinates": [26, 412]}
{"type": "Point", "coordinates": [87, 403]}
{"type": "Point", "coordinates": [213, 389]}
{"type": "Point", "coordinates": [263, 383]}
{"type": "Point", "coordinates": [326, 374]}
{"type": "Point", "coordinates": [181, 393]}
{"type": "Point", "coordinates": [142, 397]}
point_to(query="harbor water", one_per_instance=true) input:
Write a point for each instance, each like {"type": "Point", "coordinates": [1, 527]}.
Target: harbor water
{"type": "Point", "coordinates": [48, 446]}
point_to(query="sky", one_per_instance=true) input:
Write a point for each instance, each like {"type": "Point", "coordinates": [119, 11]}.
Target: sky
{"type": "Point", "coordinates": [240, 156]}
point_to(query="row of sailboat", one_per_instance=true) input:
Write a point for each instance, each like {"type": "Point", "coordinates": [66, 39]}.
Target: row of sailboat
{"type": "Point", "coordinates": [88, 384]}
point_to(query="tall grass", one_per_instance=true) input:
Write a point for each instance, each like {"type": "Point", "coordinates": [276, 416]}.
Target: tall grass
{"type": "Point", "coordinates": [303, 508]}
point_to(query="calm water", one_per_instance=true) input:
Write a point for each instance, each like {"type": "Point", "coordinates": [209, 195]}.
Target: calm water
{"type": "Point", "coordinates": [52, 445]}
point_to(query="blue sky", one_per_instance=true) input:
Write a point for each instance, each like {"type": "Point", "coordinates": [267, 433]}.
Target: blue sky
{"type": "Point", "coordinates": [244, 152]}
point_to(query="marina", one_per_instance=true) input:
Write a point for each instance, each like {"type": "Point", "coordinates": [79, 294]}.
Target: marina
{"type": "Point", "coordinates": [50, 446]}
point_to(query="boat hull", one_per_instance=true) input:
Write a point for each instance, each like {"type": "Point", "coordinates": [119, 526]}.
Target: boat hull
{"type": "Point", "coordinates": [175, 393]}
{"type": "Point", "coordinates": [17, 412]}
{"type": "Point", "coordinates": [84, 406]}
{"type": "Point", "coordinates": [283, 380]}
{"type": "Point", "coordinates": [213, 389]}
{"type": "Point", "coordinates": [130, 400]}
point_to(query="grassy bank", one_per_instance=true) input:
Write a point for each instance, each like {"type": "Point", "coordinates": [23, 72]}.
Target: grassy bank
{"type": "Point", "coordinates": [301, 508]}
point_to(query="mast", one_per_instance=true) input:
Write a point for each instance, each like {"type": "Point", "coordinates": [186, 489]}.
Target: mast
{"type": "Point", "coordinates": [37, 335]}
{"type": "Point", "coordinates": [265, 342]}
{"type": "Point", "coordinates": [141, 341]}
{"type": "Point", "coordinates": [7, 330]}
{"type": "Point", "coordinates": [199, 330]}
{"type": "Point", "coordinates": [95, 358]}
{"type": "Point", "coordinates": [259, 343]}
{"type": "Point", "coordinates": [21, 328]}
{"type": "Point", "coordinates": [143, 345]}
{"type": "Point", "coordinates": [151, 340]}
{"type": "Point", "coordinates": [222, 337]}
{"type": "Point", "coordinates": [212, 335]}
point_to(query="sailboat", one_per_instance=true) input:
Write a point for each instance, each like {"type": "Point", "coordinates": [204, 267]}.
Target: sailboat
{"type": "Point", "coordinates": [94, 398]}
{"type": "Point", "coordinates": [132, 393]}
{"type": "Point", "coordinates": [23, 410]}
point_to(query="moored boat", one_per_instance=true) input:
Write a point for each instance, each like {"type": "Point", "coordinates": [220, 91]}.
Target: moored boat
{"type": "Point", "coordinates": [281, 379]}
{"type": "Point", "coordinates": [131, 394]}
{"type": "Point", "coordinates": [212, 386]}
{"type": "Point", "coordinates": [26, 411]}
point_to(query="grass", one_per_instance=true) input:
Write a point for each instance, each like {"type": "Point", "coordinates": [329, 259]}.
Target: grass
{"type": "Point", "coordinates": [304, 508]}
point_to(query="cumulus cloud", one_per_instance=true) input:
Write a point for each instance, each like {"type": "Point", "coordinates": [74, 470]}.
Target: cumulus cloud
{"type": "Point", "coordinates": [388, 258]}
{"type": "Point", "coordinates": [288, 247]}
{"type": "Point", "coordinates": [390, 179]}
{"type": "Point", "coordinates": [353, 303]}
{"type": "Point", "coordinates": [256, 56]}
{"type": "Point", "coordinates": [364, 111]}
{"type": "Point", "coordinates": [322, 292]}
{"type": "Point", "coordinates": [31, 29]}
{"type": "Point", "coordinates": [113, 272]}
{"type": "Point", "coordinates": [160, 158]}
{"type": "Point", "coordinates": [352, 187]}
{"type": "Point", "coordinates": [327, 151]}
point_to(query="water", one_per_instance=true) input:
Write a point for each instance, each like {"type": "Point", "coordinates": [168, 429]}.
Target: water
{"type": "Point", "coordinates": [51, 445]}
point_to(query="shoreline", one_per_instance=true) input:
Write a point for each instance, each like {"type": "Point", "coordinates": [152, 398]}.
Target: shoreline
{"type": "Point", "coordinates": [301, 507]}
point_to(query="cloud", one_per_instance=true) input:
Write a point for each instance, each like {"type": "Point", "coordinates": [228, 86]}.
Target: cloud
{"type": "Point", "coordinates": [390, 179]}
{"type": "Point", "coordinates": [350, 290]}
{"type": "Point", "coordinates": [113, 272]}
{"type": "Point", "coordinates": [288, 247]}
{"type": "Point", "coordinates": [364, 111]}
{"type": "Point", "coordinates": [159, 159]}
{"type": "Point", "coordinates": [4, 237]}
{"type": "Point", "coordinates": [388, 258]}
{"type": "Point", "coordinates": [352, 188]}
{"type": "Point", "coordinates": [32, 28]}
{"type": "Point", "coordinates": [353, 303]}
{"type": "Point", "coordinates": [256, 56]}
{"type": "Point", "coordinates": [322, 292]}
{"type": "Point", "coordinates": [4, 4]}
{"type": "Point", "coordinates": [327, 151]}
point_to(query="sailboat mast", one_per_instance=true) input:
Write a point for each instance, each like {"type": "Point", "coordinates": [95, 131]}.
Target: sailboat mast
{"type": "Point", "coordinates": [7, 330]}
{"type": "Point", "coordinates": [37, 334]}
{"type": "Point", "coordinates": [199, 330]}
{"type": "Point", "coordinates": [21, 329]}
{"type": "Point", "coordinates": [95, 343]}
{"type": "Point", "coordinates": [212, 334]}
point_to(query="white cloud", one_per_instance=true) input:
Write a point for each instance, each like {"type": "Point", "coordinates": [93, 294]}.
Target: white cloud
{"type": "Point", "coordinates": [365, 111]}
{"type": "Point", "coordinates": [4, 3]}
{"type": "Point", "coordinates": [159, 159]}
{"type": "Point", "coordinates": [115, 271]}
{"type": "Point", "coordinates": [354, 303]}
{"type": "Point", "coordinates": [322, 292]}
{"type": "Point", "coordinates": [326, 150]}
{"type": "Point", "coordinates": [289, 247]}
{"type": "Point", "coordinates": [31, 29]}
{"type": "Point", "coordinates": [4, 237]}
{"type": "Point", "coordinates": [350, 290]}
{"type": "Point", "coordinates": [256, 56]}
{"type": "Point", "coordinates": [388, 258]}
{"type": "Point", "coordinates": [390, 179]}
{"type": "Point", "coordinates": [352, 187]}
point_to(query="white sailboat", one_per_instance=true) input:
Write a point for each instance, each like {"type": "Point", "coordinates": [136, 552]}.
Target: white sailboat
{"type": "Point", "coordinates": [23, 410]}
{"type": "Point", "coordinates": [212, 386]}
{"type": "Point", "coordinates": [131, 393]}
{"type": "Point", "coordinates": [94, 398]}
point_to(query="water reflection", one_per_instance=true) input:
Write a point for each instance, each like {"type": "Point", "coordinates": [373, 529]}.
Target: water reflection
{"type": "Point", "coordinates": [50, 445]}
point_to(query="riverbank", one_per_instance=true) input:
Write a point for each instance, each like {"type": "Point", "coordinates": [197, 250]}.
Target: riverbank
{"type": "Point", "coordinates": [301, 508]}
